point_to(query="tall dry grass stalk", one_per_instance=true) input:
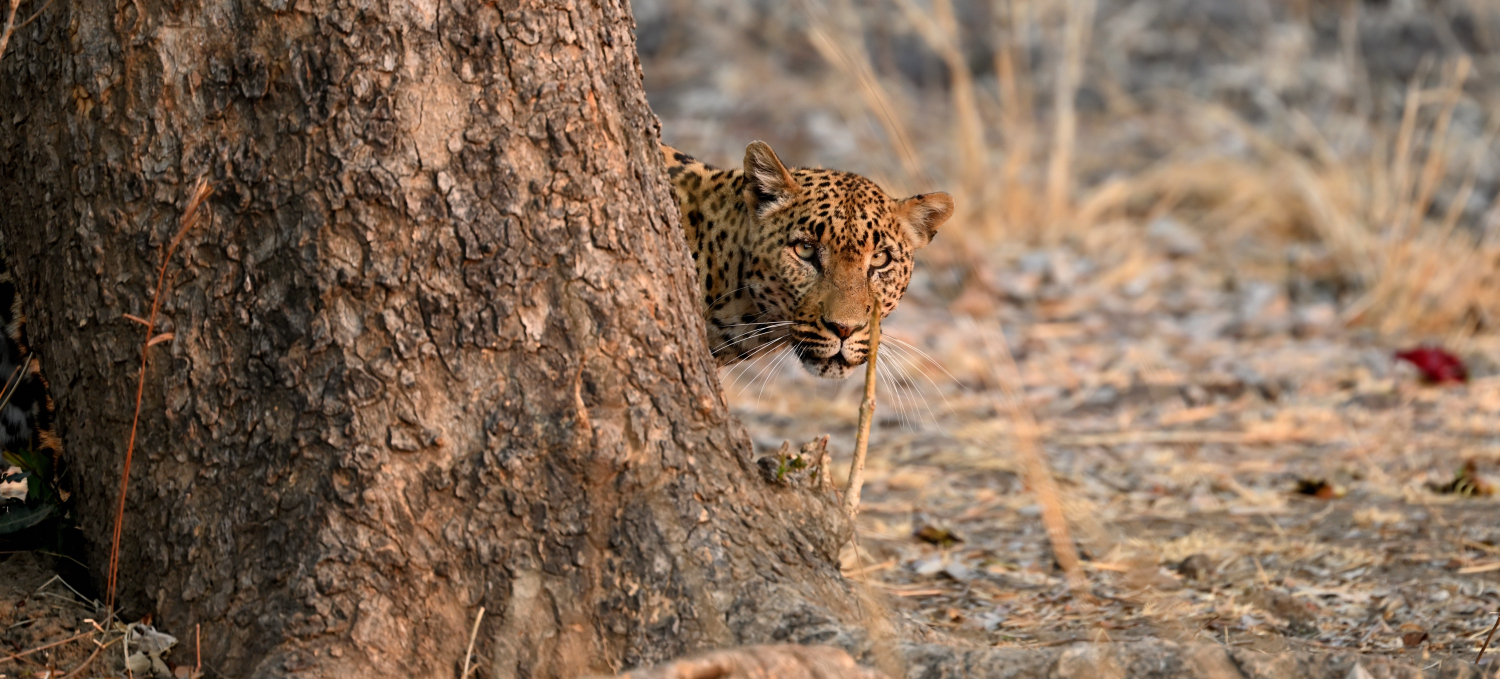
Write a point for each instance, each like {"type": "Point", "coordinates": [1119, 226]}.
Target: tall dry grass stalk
{"type": "Point", "coordinates": [1078, 21]}
{"type": "Point", "coordinates": [1418, 270]}
{"type": "Point", "coordinates": [834, 39]}
{"type": "Point", "coordinates": [940, 32]}
{"type": "Point", "coordinates": [1038, 473]}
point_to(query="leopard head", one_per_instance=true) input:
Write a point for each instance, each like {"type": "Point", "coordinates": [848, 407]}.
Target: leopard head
{"type": "Point", "coordinates": [834, 244]}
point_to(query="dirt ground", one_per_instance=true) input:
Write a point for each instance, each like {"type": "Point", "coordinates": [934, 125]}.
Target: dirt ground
{"type": "Point", "coordinates": [1186, 418]}
{"type": "Point", "coordinates": [48, 628]}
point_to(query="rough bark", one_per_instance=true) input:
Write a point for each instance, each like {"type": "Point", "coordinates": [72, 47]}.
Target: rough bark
{"type": "Point", "coordinates": [436, 349]}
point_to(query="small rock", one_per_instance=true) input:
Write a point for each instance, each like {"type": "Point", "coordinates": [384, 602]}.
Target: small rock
{"type": "Point", "coordinates": [928, 566]}
{"type": "Point", "coordinates": [1173, 237]}
{"type": "Point", "coordinates": [1197, 567]}
{"type": "Point", "coordinates": [1315, 319]}
{"type": "Point", "coordinates": [959, 572]}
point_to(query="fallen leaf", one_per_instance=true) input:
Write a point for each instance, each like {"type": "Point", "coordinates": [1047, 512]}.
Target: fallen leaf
{"type": "Point", "coordinates": [941, 537]}
{"type": "Point", "coordinates": [1412, 635]}
{"type": "Point", "coordinates": [1319, 488]}
{"type": "Point", "coordinates": [1436, 364]}
{"type": "Point", "coordinates": [1466, 483]}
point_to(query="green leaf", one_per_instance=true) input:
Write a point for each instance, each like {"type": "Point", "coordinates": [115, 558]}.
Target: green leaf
{"type": "Point", "coordinates": [34, 488]}
{"type": "Point", "coordinates": [21, 517]}
{"type": "Point", "coordinates": [38, 462]}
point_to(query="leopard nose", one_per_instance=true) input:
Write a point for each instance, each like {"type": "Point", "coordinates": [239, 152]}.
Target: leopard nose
{"type": "Point", "coordinates": [840, 329]}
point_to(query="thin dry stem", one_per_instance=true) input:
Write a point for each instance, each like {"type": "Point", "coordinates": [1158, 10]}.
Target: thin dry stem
{"type": "Point", "coordinates": [853, 61]}
{"type": "Point", "coordinates": [189, 220]}
{"type": "Point", "coordinates": [1436, 166]}
{"type": "Point", "coordinates": [1080, 18]}
{"type": "Point", "coordinates": [14, 382]}
{"type": "Point", "coordinates": [10, 26]}
{"type": "Point", "coordinates": [78, 671]}
{"type": "Point", "coordinates": [866, 416]}
{"type": "Point", "coordinates": [473, 634]}
{"type": "Point", "coordinates": [1488, 638]}
{"type": "Point", "coordinates": [34, 15]}
{"type": "Point", "coordinates": [941, 35]}
{"type": "Point", "coordinates": [1400, 183]}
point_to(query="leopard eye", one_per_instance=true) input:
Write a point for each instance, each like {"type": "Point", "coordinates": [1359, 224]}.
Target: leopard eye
{"type": "Point", "coordinates": [807, 251]}
{"type": "Point", "coordinates": [880, 260]}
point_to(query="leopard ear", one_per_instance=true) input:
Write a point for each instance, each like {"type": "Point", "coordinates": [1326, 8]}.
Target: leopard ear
{"type": "Point", "coordinates": [923, 214]}
{"type": "Point", "coordinates": [768, 186]}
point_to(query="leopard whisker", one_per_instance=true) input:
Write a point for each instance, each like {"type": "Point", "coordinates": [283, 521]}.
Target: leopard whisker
{"type": "Point", "coordinates": [775, 365]}
{"type": "Point", "coordinates": [765, 323]}
{"type": "Point", "coordinates": [756, 356]}
{"type": "Point", "coordinates": [763, 371]}
{"type": "Point", "coordinates": [720, 298]}
{"type": "Point", "coordinates": [744, 338]}
{"type": "Point", "coordinates": [915, 386]}
{"type": "Point", "coordinates": [907, 409]}
{"type": "Point", "coordinates": [904, 398]}
{"type": "Point", "coordinates": [903, 347]}
{"type": "Point", "coordinates": [901, 356]}
{"type": "Point", "coordinates": [882, 376]}
{"type": "Point", "coordinates": [895, 401]}
{"type": "Point", "coordinates": [924, 355]}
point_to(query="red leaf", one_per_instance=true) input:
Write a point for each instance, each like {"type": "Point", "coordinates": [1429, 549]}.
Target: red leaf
{"type": "Point", "coordinates": [1436, 364]}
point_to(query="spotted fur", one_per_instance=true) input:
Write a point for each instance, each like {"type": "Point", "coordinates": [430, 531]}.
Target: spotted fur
{"type": "Point", "coordinates": [795, 257]}
{"type": "Point", "coordinates": [27, 419]}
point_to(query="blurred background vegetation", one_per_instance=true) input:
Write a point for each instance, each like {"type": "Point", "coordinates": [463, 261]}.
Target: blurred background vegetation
{"type": "Point", "coordinates": [1344, 149]}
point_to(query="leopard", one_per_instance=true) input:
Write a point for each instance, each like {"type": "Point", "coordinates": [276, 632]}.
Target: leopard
{"type": "Point", "coordinates": [797, 257]}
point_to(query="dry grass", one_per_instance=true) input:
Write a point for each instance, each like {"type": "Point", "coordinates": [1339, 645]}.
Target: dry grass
{"type": "Point", "coordinates": [1420, 271]}
{"type": "Point", "coordinates": [1390, 201]}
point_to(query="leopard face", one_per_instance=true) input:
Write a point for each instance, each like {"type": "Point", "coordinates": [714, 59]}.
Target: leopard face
{"type": "Point", "coordinates": [796, 258]}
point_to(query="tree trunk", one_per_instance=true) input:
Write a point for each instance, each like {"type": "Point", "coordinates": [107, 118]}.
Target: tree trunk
{"type": "Point", "coordinates": [437, 347]}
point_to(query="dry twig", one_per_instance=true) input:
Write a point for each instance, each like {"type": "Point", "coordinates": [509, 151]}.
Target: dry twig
{"type": "Point", "coordinates": [1488, 638]}
{"type": "Point", "coordinates": [866, 415]}
{"type": "Point", "coordinates": [473, 634]}
{"type": "Point", "coordinates": [10, 26]}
